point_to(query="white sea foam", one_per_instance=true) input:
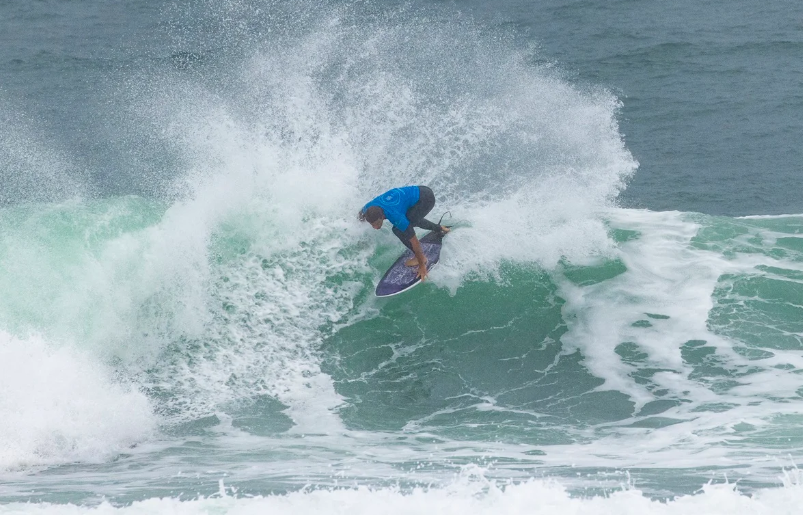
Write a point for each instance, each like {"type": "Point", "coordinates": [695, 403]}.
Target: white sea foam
{"type": "Point", "coordinates": [662, 301]}
{"type": "Point", "coordinates": [59, 406]}
{"type": "Point", "coordinates": [534, 497]}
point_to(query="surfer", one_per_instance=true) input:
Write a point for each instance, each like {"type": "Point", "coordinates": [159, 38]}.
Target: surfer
{"type": "Point", "coordinates": [405, 208]}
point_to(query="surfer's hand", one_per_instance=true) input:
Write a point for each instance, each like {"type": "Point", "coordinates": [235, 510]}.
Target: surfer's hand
{"type": "Point", "coordinates": [422, 272]}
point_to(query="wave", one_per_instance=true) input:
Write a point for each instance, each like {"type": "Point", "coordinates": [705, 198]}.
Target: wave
{"type": "Point", "coordinates": [223, 288]}
{"type": "Point", "coordinates": [679, 347]}
{"type": "Point", "coordinates": [681, 323]}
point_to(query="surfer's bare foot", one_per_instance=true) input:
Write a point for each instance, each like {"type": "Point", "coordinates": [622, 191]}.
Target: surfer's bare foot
{"type": "Point", "coordinates": [444, 229]}
{"type": "Point", "coordinates": [411, 262]}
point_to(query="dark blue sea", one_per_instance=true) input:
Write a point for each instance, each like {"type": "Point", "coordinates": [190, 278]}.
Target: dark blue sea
{"type": "Point", "coordinates": [188, 321]}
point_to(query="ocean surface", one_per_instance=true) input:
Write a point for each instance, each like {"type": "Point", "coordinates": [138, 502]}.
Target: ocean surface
{"type": "Point", "coordinates": [187, 318]}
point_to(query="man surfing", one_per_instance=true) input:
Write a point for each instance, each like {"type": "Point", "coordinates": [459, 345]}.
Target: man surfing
{"type": "Point", "coordinates": [405, 208]}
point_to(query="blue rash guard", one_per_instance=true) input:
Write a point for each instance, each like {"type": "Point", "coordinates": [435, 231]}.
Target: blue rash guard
{"type": "Point", "coordinates": [395, 204]}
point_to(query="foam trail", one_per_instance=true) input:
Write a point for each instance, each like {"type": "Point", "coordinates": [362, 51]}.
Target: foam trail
{"type": "Point", "coordinates": [604, 313]}
{"type": "Point", "coordinates": [653, 332]}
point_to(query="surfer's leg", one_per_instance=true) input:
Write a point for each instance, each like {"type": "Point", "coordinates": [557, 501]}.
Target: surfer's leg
{"type": "Point", "coordinates": [426, 224]}
{"type": "Point", "coordinates": [420, 209]}
{"type": "Point", "coordinates": [403, 238]}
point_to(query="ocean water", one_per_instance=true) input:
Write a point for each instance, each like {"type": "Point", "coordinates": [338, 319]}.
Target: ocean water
{"type": "Point", "coordinates": [187, 318]}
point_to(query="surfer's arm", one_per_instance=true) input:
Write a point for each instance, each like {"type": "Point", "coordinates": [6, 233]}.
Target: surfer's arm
{"type": "Point", "coordinates": [419, 255]}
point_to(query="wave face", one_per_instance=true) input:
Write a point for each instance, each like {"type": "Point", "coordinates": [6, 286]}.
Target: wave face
{"type": "Point", "coordinates": [224, 324]}
{"type": "Point", "coordinates": [680, 345]}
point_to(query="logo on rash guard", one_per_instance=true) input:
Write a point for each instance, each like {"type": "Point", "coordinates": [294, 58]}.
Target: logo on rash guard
{"type": "Point", "coordinates": [392, 198]}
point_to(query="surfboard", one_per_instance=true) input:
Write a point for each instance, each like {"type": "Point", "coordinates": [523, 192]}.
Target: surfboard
{"type": "Point", "coordinates": [400, 278]}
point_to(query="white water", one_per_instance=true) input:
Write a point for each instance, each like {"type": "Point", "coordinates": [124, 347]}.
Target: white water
{"type": "Point", "coordinates": [59, 405]}
{"type": "Point", "coordinates": [667, 276]}
{"type": "Point", "coordinates": [466, 495]}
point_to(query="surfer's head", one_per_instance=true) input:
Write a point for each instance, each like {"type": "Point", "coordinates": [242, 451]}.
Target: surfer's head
{"type": "Point", "coordinates": [374, 216]}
